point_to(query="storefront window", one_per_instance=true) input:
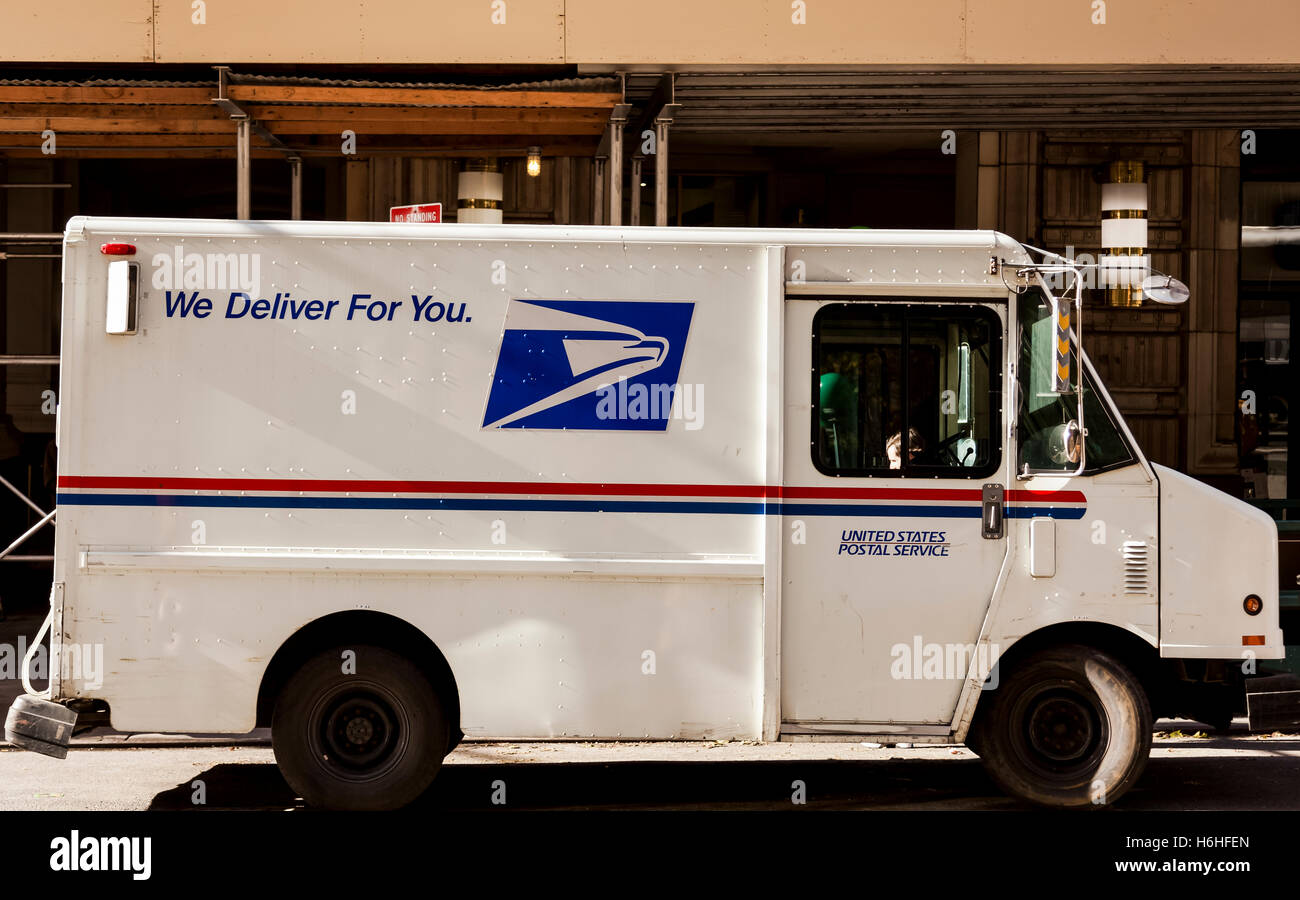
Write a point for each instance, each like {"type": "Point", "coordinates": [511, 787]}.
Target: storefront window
{"type": "Point", "coordinates": [1268, 296]}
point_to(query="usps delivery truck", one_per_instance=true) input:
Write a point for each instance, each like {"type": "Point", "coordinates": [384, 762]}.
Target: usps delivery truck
{"type": "Point", "coordinates": [385, 487]}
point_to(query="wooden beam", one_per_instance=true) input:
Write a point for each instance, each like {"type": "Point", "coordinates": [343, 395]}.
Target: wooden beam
{"type": "Point", "coordinates": [273, 117]}
{"type": "Point", "coordinates": [280, 93]}
{"type": "Point", "coordinates": [110, 110]}
{"type": "Point", "coordinates": [317, 146]}
{"type": "Point", "coordinates": [271, 114]}
{"type": "Point", "coordinates": [459, 125]}
{"type": "Point", "coordinates": [68, 124]}
{"type": "Point", "coordinates": [141, 153]}
{"type": "Point", "coordinates": [83, 139]}
{"type": "Point", "coordinates": [76, 93]}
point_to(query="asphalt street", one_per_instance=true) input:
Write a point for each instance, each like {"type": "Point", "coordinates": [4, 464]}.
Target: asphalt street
{"type": "Point", "coordinates": [1234, 772]}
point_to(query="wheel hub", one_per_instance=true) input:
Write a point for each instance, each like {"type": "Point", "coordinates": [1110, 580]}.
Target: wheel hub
{"type": "Point", "coordinates": [360, 731]}
{"type": "Point", "coordinates": [1061, 728]}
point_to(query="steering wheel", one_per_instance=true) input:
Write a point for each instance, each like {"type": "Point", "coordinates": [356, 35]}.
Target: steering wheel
{"type": "Point", "coordinates": [947, 449]}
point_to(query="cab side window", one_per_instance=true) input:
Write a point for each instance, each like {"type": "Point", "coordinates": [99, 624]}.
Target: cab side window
{"type": "Point", "coordinates": [902, 389]}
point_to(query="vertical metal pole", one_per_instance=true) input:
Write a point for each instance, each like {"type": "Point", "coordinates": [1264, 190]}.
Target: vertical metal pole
{"type": "Point", "coordinates": [243, 170]}
{"type": "Point", "coordinates": [661, 172]}
{"type": "Point", "coordinates": [634, 208]}
{"type": "Point", "coordinates": [616, 173]}
{"type": "Point", "coordinates": [598, 193]}
{"type": "Point", "coordinates": [295, 187]}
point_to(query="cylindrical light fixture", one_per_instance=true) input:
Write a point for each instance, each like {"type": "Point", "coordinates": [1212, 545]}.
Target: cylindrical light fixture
{"type": "Point", "coordinates": [1124, 262]}
{"type": "Point", "coordinates": [534, 161]}
{"type": "Point", "coordinates": [479, 190]}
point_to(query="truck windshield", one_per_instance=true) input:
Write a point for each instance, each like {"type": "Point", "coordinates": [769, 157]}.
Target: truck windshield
{"type": "Point", "coordinates": [1041, 413]}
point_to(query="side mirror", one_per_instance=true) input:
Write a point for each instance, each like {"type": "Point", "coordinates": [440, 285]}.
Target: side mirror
{"type": "Point", "coordinates": [1165, 289]}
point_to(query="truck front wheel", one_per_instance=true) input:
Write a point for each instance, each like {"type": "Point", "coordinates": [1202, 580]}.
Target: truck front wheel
{"type": "Point", "coordinates": [1070, 726]}
{"type": "Point", "coordinates": [359, 727]}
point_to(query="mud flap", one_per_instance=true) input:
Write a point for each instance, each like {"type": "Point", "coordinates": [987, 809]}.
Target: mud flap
{"type": "Point", "coordinates": [1274, 711]}
{"type": "Point", "coordinates": [40, 725]}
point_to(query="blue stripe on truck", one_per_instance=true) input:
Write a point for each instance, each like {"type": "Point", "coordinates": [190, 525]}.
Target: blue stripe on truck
{"type": "Point", "coordinates": [520, 505]}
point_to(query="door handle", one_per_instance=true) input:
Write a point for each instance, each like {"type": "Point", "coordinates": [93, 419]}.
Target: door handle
{"type": "Point", "coordinates": [992, 527]}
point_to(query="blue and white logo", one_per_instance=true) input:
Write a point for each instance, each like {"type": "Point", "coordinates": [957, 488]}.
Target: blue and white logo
{"type": "Point", "coordinates": [557, 355]}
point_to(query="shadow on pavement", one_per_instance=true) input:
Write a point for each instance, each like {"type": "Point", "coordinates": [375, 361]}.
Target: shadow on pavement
{"type": "Point", "coordinates": [875, 784]}
{"type": "Point", "coordinates": [1183, 783]}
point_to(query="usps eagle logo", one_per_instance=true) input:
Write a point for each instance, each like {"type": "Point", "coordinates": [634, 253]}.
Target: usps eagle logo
{"type": "Point", "coordinates": [588, 364]}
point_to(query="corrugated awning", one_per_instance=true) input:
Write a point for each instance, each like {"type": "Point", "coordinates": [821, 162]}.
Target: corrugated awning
{"type": "Point", "coordinates": [118, 117]}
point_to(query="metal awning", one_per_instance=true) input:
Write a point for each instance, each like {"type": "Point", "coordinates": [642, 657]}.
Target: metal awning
{"type": "Point", "coordinates": [990, 98]}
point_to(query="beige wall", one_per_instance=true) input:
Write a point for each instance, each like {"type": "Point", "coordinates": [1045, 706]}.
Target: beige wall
{"type": "Point", "coordinates": [602, 33]}
{"type": "Point", "coordinates": [347, 31]}
{"type": "Point", "coordinates": [75, 30]}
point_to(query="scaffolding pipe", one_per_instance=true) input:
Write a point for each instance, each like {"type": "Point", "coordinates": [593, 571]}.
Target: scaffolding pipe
{"type": "Point", "coordinates": [29, 237]}
{"type": "Point", "coordinates": [295, 187]}
{"type": "Point", "coordinates": [616, 171]}
{"type": "Point", "coordinates": [243, 169]}
{"type": "Point", "coordinates": [12, 359]}
{"type": "Point", "coordinates": [661, 172]}
{"type": "Point", "coordinates": [634, 208]}
{"type": "Point", "coordinates": [28, 533]}
{"type": "Point", "coordinates": [21, 496]}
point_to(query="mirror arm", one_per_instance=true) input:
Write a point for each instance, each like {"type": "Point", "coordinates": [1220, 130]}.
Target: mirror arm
{"type": "Point", "coordinates": [1078, 366]}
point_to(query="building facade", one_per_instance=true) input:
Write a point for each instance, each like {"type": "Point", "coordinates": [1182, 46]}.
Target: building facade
{"type": "Point", "coordinates": [1025, 117]}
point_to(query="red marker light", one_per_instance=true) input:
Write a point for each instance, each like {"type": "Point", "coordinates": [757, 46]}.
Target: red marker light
{"type": "Point", "coordinates": [117, 249]}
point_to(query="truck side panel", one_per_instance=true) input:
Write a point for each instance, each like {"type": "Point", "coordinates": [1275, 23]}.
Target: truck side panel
{"type": "Point", "coordinates": [215, 466]}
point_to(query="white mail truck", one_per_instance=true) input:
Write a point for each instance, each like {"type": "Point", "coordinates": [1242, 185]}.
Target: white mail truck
{"type": "Point", "coordinates": [386, 487]}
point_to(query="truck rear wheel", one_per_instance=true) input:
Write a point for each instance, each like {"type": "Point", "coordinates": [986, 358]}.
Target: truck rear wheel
{"type": "Point", "coordinates": [1069, 727]}
{"type": "Point", "coordinates": [359, 732]}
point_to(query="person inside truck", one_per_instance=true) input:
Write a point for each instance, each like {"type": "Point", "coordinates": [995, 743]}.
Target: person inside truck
{"type": "Point", "coordinates": [894, 448]}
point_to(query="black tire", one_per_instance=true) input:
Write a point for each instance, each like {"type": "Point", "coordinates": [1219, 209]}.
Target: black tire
{"type": "Point", "coordinates": [1217, 707]}
{"type": "Point", "coordinates": [366, 741]}
{"type": "Point", "coordinates": [1069, 726]}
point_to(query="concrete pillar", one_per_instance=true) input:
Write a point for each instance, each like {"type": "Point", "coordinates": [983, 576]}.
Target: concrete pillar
{"type": "Point", "coordinates": [1212, 241]}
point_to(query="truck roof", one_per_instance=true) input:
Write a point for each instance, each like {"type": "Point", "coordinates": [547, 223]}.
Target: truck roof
{"type": "Point", "coordinates": [844, 237]}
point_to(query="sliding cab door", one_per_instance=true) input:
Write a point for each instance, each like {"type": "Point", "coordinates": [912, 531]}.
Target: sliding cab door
{"type": "Point", "coordinates": [894, 441]}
